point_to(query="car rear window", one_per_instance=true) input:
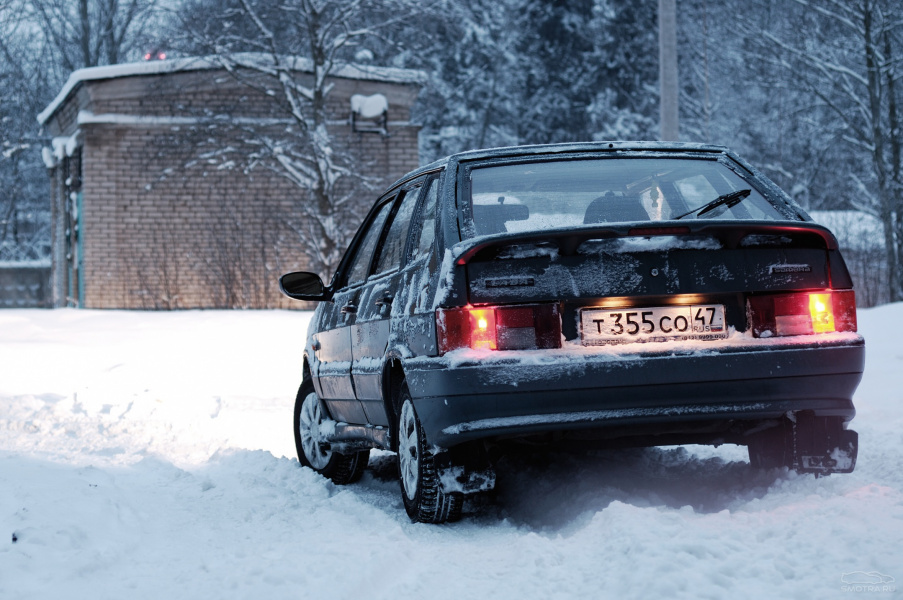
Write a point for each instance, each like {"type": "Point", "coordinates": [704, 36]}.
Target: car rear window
{"type": "Point", "coordinates": [536, 196]}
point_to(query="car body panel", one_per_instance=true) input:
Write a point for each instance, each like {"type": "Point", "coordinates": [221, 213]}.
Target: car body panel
{"type": "Point", "coordinates": [333, 375]}
{"type": "Point", "coordinates": [611, 272]}
{"type": "Point", "coordinates": [370, 337]}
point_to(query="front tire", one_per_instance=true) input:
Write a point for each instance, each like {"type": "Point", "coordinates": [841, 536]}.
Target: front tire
{"type": "Point", "coordinates": [315, 452]}
{"type": "Point", "coordinates": [421, 488]}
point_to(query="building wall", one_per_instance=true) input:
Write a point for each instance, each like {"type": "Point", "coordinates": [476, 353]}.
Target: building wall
{"type": "Point", "coordinates": [169, 215]}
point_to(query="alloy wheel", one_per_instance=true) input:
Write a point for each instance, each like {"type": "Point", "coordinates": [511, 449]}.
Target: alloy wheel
{"type": "Point", "coordinates": [408, 450]}
{"type": "Point", "coordinates": [315, 449]}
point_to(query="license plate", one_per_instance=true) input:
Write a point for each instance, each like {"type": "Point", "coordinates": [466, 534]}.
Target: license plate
{"type": "Point", "coordinates": [613, 326]}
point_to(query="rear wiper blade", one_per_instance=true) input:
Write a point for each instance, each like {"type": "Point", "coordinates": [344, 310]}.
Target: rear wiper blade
{"type": "Point", "coordinates": [728, 200]}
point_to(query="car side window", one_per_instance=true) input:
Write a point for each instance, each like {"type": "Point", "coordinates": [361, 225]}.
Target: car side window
{"type": "Point", "coordinates": [397, 237]}
{"type": "Point", "coordinates": [360, 267]}
{"type": "Point", "coordinates": [425, 236]}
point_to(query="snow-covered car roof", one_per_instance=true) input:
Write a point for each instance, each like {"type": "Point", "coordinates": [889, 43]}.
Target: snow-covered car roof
{"type": "Point", "coordinates": [573, 147]}
{"type": "Point", "coordinates": [536, 149]}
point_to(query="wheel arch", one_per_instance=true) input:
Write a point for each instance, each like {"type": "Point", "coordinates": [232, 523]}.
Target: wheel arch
{"type": "Point", "coordinates": [393, 379]}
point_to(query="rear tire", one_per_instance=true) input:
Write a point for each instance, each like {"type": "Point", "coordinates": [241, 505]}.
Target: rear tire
{"type": "Point", "coordinates": [313, 451]}
{"type": "Point", "coordinates": [421, 488]}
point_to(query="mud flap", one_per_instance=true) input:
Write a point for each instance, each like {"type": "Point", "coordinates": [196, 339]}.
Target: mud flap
{"type": "Point", "coordinates": [466, 470]}
{"type": "Point", "coordinates": [822, 446]}
{"type": "Point", "coordinates": [466, 481]}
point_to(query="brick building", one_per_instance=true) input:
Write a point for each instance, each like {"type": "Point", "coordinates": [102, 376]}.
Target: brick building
{"type": "Point", "coordinates": [157, 201]}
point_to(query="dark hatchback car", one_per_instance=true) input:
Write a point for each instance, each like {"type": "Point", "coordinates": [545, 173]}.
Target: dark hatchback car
{"type": "Point", "coordinates": [614, 294]}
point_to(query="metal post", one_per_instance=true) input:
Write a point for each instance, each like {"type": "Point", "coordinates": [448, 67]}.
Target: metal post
{"type": "Point", "coordinates": [667, 52]}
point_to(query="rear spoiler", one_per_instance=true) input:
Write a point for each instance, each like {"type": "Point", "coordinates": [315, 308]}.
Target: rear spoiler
{"type": "Point", "coordinates": [730, 234]}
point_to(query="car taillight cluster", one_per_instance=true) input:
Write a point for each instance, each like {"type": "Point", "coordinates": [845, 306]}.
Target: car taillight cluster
{"type": "Point", "coordinates": [499, 327]}
{"type": "Point", "coordinates": [802, 313]}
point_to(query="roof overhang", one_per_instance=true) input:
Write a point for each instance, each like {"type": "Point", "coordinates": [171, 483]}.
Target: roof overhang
{"type": "Point", "coordinates": [240, 60]}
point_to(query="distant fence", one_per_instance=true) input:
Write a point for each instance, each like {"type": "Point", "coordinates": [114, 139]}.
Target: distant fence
{"type": "Point", "coordinates": [25, 285]}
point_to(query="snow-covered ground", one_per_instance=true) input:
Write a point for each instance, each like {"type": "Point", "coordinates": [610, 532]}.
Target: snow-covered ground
{"type": "Point", "coordinates": [149, 455]}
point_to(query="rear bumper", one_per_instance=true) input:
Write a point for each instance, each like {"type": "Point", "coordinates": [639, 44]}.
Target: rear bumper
{"type": "Point", "coordinates": [468, 395]}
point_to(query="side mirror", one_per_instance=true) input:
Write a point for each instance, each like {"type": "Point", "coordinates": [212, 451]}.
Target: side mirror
{"type": "Point", "coordinates": [301, 285]}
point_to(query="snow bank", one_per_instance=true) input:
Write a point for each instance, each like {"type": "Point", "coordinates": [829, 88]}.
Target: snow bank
{"type": "Point", "coordinates": [149, 455]}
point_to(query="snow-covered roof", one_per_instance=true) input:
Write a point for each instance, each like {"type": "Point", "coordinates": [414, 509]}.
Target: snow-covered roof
{"type": "Point", "coordinates": [156, 67]}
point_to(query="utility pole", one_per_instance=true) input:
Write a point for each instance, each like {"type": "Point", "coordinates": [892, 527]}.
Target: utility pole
{"type": "Point", "coordinates": [667, 69]}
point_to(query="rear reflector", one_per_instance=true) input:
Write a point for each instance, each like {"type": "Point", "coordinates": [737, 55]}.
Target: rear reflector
{"type": "Point", "coordinates": [803, 313]}
{"type": "Point", "coordinates": [499, 327]}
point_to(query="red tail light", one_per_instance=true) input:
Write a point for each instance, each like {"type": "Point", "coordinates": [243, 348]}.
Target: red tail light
{"type": "Point", "coordinates": [802, 313]}
{"type": "Point", "coordinates": [499, 327]}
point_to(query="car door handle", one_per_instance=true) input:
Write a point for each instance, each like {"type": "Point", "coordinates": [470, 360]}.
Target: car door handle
{"type": "Point", "coordinates": [348, 309]}
{"type": "Point", "coordinates": [384, 301]}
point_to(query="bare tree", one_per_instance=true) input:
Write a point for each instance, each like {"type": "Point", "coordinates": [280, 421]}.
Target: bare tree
{"type": "Point", "coordinates": [89, 33]}
{"type": "Point", "coordinates": [24, 215]}
{"type": "Point", "coordinates": [41, 42]}
{"type": "Point", "coordinates": [668, 81]}
{"type": "Point", "coordinates": [850, 66]}
{"type": "Point", "coordinates": [289, 52]}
